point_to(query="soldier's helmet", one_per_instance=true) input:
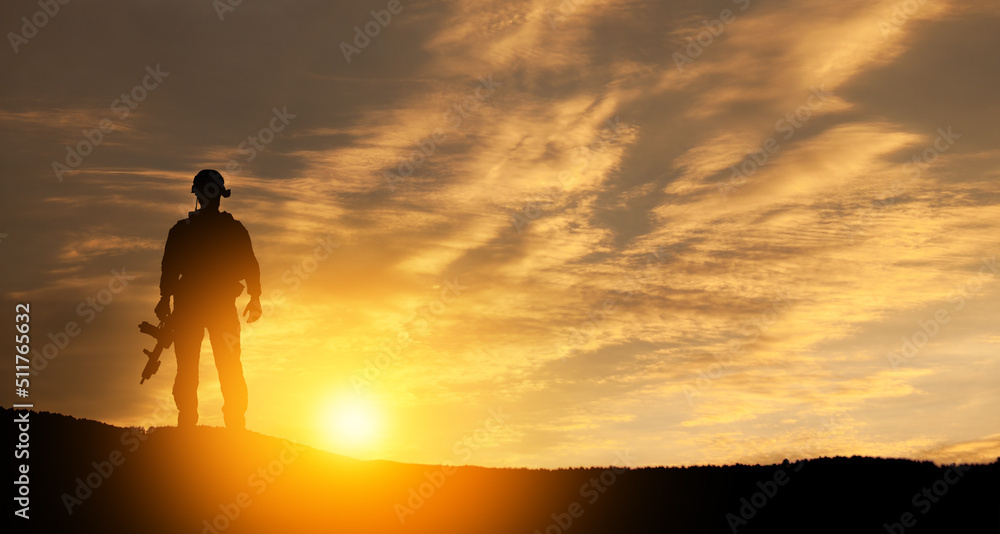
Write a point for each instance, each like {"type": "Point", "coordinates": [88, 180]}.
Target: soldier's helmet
{"type": "Point", "coordinates": [208, 184]}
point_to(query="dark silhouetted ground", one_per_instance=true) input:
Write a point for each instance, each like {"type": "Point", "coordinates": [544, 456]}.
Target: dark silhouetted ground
{"type": "Point", "coordinates": [210, 480]}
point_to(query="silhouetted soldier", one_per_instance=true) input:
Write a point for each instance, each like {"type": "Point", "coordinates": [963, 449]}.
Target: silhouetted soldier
{"type": "Point", "coordinates": [205, 258]}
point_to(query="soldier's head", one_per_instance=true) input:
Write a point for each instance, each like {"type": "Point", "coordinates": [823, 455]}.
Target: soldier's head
{"type": "Point", "coordinates": [209, 187]}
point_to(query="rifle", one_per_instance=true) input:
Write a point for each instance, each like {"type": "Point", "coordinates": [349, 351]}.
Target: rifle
{"type": "Point", "coordinates": [163, 333]}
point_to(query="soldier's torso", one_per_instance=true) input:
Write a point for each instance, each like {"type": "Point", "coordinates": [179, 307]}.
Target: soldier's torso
{"type": "Point", "coordinates": [210, 252]}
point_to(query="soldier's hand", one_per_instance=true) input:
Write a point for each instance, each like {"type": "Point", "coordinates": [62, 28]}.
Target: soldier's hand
{"type": "Point", "coordinates": [253, 308]}
{"type": "Point", "coordinates": [162, 309]}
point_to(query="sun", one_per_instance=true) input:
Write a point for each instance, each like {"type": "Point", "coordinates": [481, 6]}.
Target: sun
{"type": "Point", "coordinates": [351, 422]}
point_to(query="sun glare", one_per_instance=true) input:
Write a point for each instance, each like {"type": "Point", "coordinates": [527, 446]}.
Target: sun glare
{"type": "Point", "coordinates": [351, 423]}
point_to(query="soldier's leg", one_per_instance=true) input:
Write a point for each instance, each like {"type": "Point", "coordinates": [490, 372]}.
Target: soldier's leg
{"type": "Point", "coordinates": [187, 346]}
{"type": "Point", "coordinates": [224, 333]}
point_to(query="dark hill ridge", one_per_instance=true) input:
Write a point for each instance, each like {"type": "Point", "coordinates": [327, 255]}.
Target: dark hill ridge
{"type": "Point", "coordinates": [211, 480]}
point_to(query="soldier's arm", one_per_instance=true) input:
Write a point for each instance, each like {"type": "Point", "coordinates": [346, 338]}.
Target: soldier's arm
{"type": "Point", "coordinates": [170, 273]}
{"type": "Point", "coordinates": [170, 266]}
{"type": "Point", "coordinates": [250, 267]}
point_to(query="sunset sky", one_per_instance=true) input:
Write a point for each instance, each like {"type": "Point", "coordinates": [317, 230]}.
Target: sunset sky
{"type": "Point", "coordinates": [699, 232]}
